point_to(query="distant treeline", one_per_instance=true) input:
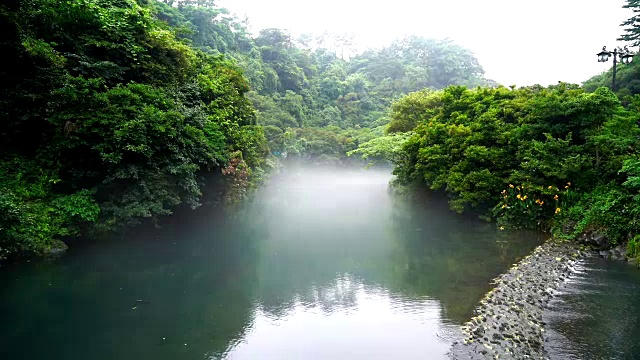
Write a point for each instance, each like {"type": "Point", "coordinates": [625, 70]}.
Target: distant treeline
{"type": "Point", "coordinates": [305, 82]}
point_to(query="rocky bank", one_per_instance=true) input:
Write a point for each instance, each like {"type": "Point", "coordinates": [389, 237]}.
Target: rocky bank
{"type": "Point", "coordinates": [508, 322]}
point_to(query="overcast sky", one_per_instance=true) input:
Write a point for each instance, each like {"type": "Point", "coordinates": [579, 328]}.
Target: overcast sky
{"type": "Point", "coordinates": [517, 42]}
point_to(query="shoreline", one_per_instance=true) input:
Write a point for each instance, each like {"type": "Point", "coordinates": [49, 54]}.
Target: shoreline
{"type": "Point", "coordinates": [508, 322]}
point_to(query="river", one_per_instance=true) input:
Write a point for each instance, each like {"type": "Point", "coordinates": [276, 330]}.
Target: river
{"type": "Point", "coordinates": [595, 314]}
{"type": "Point", "coordinates": [322, 264]}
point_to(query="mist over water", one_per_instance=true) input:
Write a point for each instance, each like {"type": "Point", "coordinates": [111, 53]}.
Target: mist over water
{"type": "Point", "coordinates": [323, 263]}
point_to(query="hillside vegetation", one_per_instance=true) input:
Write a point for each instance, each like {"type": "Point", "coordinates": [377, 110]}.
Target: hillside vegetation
{"type": "Point", "coordinates": [121, 110]}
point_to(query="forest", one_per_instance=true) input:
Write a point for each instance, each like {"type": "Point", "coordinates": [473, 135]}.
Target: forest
{"type": "Point", "coordinates": [118, 111]}
{"type": "Point", "coordinates": [562, 159]}
{"type": "Point", "coordinates": [121, 110]}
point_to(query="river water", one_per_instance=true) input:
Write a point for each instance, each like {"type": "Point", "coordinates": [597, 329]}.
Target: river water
{"type": "Point", "coordinates": [595, 314]}
{"type": "Point", "coordinates": [323, 264]}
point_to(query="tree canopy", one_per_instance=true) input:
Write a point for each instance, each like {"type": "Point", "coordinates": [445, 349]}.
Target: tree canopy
{"type": "Point", "coordinates": [109, 117]}
{"type": "Point", "coordinates": [632, 25]}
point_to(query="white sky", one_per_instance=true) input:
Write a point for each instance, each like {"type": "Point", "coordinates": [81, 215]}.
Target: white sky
{"type": "Point", "coordinates": [517, 42]}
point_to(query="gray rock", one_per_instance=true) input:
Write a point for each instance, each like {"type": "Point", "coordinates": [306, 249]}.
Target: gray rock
{"type": "Point", "coordinates": [594, 239]}
{"type": "Point", "coordinates": [617, 253]}
{"type": "Point", "coordinates": [57, 248]}
{"type": "Point", "coordinates": [599, 240]}
{"type": "Point", "coordinates": [584, 238]}
{"type": "Point", "coordinates": [604, 254]}
{"type": "Point", "coordinates": [568, 227]}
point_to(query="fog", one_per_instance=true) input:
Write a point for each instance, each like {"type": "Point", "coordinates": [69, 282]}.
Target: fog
{"type": "Point", "coordinates": [323, 263]}
{"type": "Point", "coordinates": [517, 42]}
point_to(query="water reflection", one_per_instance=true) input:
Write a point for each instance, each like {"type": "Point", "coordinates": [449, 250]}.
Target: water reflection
{"type": "Point", "coordinates": [348, 320]}
{"type": "Point", "coordinates": [323, 264]}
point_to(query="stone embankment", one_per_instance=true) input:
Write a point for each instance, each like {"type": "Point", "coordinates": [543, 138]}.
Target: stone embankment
{"type": "Point", "coordinates": [602, 247]}
{"type": "Point", "coordinates": [509, 322]}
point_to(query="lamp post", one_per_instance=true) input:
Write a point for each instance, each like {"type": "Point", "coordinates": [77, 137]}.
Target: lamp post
{"type": "Point", "coordinates": [625, 57]}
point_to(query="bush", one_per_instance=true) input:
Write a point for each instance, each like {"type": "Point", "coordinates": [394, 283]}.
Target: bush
{"type": "Point", "coordinates": [605, 209]}
{"type": "Point", "coordinates": [532, 207]}
{"type": "Point", "coordinates": [573, 155]}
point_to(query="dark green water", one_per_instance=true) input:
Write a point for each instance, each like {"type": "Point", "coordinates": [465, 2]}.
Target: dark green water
{"type": "Point", "coordinates": [324, 264]}
{"type": "Point", "coordinates": [596, 313]}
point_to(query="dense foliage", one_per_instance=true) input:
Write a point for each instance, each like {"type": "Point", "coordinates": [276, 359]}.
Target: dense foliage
{"type": "Point", "coordinates": [108, 118]}
{"type": "Point", "coordinates": [531, 157]}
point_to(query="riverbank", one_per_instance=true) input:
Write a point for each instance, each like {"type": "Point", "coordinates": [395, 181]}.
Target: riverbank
{"type": "Point", "coordinates": [508, 321]}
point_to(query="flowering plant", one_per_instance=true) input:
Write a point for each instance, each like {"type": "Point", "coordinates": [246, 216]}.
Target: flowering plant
{"type": "Point", "coordinates": [531, 206]}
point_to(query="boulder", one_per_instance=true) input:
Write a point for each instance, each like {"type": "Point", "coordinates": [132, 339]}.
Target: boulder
{"type": "Point", "coordinates": [594, 239]}
{"type": "Point", "coordinates": [57, 248]}
{"type": "Point", "coordinates": [619, 252]}
{"type": "Point", "coordinates": [599, 239]}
